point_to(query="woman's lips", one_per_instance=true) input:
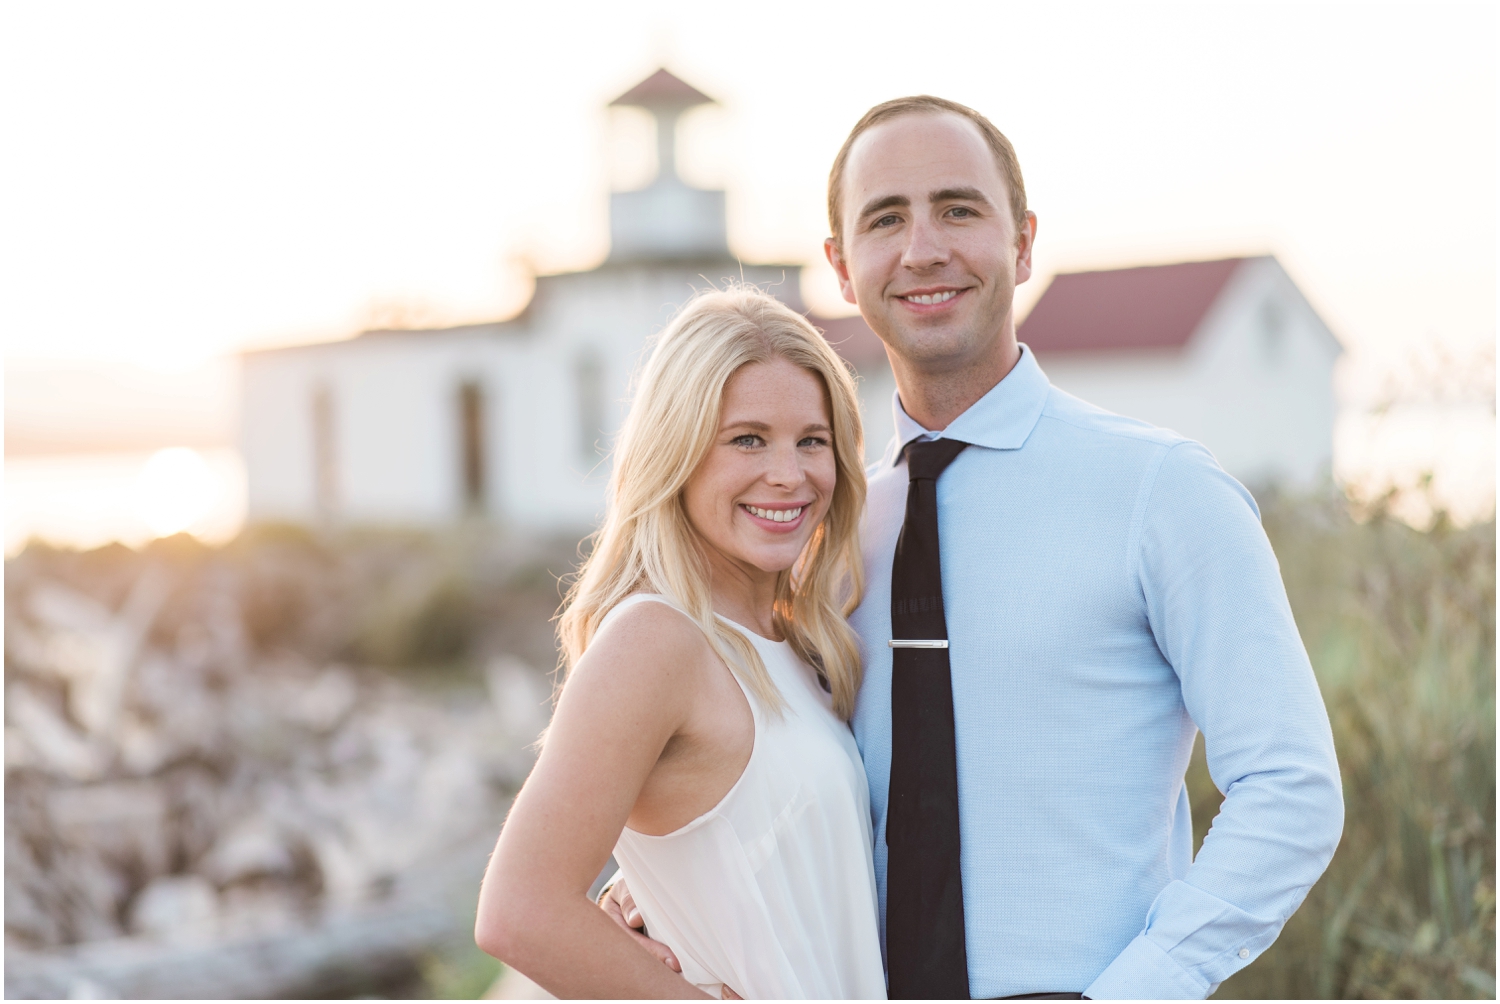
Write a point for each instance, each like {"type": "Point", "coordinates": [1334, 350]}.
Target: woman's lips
{"type": "Point", "coordinates": [777, 519]}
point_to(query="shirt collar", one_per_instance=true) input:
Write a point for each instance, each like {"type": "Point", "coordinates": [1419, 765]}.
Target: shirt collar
{"type": "Point", "coordinates": [1001, 420]}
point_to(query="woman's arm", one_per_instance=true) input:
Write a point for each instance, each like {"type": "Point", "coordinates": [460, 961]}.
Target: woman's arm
{"type": "Point", "coordinates": [624, 700]}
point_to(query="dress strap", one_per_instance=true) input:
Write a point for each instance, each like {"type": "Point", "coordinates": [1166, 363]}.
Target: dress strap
{"type": "Point", "coordinates": [632, 600]}
{"type": "Point", "coordinates": [636, 598]}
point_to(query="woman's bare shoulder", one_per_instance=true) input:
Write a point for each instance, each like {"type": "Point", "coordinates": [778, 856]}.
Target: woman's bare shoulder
{"type": "Point", "coordinates": [648, 638]}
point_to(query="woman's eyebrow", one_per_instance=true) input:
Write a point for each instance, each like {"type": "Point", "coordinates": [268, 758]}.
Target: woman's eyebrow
{"type": "Point", "coordinates": [754, 426]}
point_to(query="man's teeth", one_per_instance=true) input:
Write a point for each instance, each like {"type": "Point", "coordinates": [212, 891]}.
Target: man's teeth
{"type": "Point", "coordinates": [942, 297]}
{"type": "Point", "coordinates": [777, 515]}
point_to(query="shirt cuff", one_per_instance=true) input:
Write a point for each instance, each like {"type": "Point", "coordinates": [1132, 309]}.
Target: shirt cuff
{"type": "Point", "coordinates": [607, 886]}
{"type": "Point", "coordinates": [1144, 972]}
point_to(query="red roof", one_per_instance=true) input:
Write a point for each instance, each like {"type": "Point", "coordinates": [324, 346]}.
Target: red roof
{"type": "Point", "coordinates": [1156, 307]}
{"type": "Point", "coordinates": [852, 338]}
{"type": "Point", "coordinates": [663, 90]}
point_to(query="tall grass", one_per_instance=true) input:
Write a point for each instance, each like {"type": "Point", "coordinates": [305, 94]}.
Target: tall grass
{"type": "Point", "coordinates": [1400, 625]}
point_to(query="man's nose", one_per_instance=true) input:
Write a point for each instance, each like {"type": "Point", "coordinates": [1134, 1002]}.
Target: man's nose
{"type": "Point", "coordinates": [925, 248]}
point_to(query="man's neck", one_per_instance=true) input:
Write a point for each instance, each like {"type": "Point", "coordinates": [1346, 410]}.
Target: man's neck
{"type": "Point", "coordinates": [935, 397]}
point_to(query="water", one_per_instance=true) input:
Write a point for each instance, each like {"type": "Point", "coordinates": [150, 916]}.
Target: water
{"type": "Point", "coordinates": [84, 500]}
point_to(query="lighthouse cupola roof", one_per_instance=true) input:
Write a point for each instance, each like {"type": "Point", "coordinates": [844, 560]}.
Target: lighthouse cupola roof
{"type": "Point", "coordinates": [665, 90]}
{"type": "Point", "coordinates": [668, 219]}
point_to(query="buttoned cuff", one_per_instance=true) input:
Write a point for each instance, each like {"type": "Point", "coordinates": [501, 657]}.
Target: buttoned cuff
{"type": "Point", "coordinates": [1144, 972]}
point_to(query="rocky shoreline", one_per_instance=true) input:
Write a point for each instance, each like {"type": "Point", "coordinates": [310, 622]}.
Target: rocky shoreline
{"type": "Point", "coordinates": [199, 807]}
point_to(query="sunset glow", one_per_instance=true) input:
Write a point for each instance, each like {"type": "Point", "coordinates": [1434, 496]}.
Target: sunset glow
{"type": "Point", "coordinates": [174, 490]}
{"type": "Point", "coordinates": [335, 195]}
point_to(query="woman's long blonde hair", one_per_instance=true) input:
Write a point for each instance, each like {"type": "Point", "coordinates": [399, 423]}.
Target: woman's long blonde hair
{"type": "Point", "coordinates": [647, 543]}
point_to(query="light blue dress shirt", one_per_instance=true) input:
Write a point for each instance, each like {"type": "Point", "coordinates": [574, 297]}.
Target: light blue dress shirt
{"type": "Point", "coordinates": [1109, 591]}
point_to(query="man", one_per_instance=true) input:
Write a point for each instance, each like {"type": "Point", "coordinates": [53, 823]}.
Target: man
{"type": "Point", "coordinates": [1058, 599]}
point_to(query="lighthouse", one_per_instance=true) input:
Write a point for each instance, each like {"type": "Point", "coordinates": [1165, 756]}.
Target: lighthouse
{"type": "Point", "coordinates": [668, 220]}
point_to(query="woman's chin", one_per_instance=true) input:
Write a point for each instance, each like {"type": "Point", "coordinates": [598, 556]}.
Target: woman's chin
{"type": "Point", "coordinates": [772, 560]}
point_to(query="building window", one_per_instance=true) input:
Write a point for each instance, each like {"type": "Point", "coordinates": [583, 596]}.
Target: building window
{"type": "Point", "coordinates": [325, 453]}
{"type": "Point", "coordinates": [471, 445]}
{"type": "Point", "coordinates": [588, 378]}
{"type": "Point", "coordinates": [1272, 330]}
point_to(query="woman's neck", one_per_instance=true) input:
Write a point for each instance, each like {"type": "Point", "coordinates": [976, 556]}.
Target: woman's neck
{"type": "Point", "coordinates": [745, 594]}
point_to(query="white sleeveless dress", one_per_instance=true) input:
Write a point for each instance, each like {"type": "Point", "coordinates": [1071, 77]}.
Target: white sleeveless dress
{"type": "Point", "coordinates": [772, 891]}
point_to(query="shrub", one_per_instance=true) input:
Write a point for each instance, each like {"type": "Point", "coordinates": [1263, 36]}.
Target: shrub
{"type": "Point", "coordinates": [1400, 626]}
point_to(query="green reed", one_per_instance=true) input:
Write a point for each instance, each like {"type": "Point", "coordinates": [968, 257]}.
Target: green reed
{"type": "Point", "coordinates": [1400, 626]}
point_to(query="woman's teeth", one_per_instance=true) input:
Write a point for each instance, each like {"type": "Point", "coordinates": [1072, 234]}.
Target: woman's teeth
{"type": "Point", "coordinates": [776, 515]}
{"type": "Point", "coordinates": [942, 297]}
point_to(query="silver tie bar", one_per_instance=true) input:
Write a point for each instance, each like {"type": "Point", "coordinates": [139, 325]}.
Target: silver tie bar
{"type": "Point", "coordinates": [914, 643]}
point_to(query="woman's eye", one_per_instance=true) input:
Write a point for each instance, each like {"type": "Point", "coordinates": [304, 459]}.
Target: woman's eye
{"type": "Point", "coordinates": [812, 441]}
{"type": "Point", "coordinates": [748, 440]}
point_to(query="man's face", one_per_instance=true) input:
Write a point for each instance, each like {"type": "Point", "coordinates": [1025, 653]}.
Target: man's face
{"type": "Point", "coordinates": [930, 250]}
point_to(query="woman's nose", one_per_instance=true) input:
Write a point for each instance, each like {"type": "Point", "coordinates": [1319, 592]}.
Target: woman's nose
{"type": "Point", "coordinates": [786, 468]}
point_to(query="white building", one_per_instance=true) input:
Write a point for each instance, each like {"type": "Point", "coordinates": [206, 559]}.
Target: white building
{"type": "Point", "coordinates": [508, 420]}
{"type": "Point", "coordinates": [1229, 353]}
{"type": "Point", "coordinates": [1226, 352]}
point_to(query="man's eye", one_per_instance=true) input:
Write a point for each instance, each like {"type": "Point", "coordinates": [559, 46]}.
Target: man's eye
{"type": "Point", "coordinates": [888, 220]}
{"type": "Point", "coordinates": [961, 211]}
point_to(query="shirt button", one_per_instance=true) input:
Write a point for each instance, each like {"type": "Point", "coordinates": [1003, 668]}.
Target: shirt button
{"type": "Point", "coordinates": [1244, 953]}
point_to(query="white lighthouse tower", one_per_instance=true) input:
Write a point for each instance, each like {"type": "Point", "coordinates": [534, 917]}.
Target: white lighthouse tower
{"type": "Point", "coordinates": [668, 219]}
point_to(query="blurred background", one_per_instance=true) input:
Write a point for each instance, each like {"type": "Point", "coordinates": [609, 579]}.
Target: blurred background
{"type": "Point", "coordinates": [318, 320]}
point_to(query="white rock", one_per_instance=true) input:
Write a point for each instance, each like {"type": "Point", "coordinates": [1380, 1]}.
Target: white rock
{"type": "Point", "coordinates": [61, 608]}
{"type": "Point", "coordinates": [520, 697]}
{"type": "Point", "coordinates": [250, 849]}
{"type": "Point", "coordinates": [143, 747]}
{"type": "Point", "coordinates": [178, 908]}
{"type": "Point", "coordinates": [51, 742]}
{"type": "Point", "coordinates": [126, 821]}
{"type": "Point", "coordinates": [257, 910]}
{"type": "Point", "coordinates": [85, 989]}
{"type": "Point", "coordinates": [328, 701]}
{"type": "Point", "coordinates": [348, 879]}
{"type": "Point", "coordinates": [94, 649]}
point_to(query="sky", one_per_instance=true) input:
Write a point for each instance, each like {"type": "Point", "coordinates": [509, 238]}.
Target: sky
{"type": "Point", "coordinates": [188, 180]}
{"type": "Point", "coordinates": [198, 178]}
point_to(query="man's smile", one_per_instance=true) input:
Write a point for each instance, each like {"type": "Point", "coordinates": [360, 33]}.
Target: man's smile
{"type": "Point", "coordinates": [931, 297]}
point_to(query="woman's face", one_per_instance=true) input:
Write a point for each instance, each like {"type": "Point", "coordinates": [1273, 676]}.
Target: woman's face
{"type": "Point", "coordinates": [768, 478]}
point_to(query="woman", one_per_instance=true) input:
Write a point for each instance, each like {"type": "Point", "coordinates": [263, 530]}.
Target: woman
{"type": "Point", "coordinates": [693, 737]}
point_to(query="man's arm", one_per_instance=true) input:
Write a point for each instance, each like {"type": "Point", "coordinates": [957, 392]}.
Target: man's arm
{"type": "Point", "coordinates": [615, 900]}
{"type": "Point", "coordinates": [1219, 612]}
{"type": "Point", "coordinates": [617, 903]}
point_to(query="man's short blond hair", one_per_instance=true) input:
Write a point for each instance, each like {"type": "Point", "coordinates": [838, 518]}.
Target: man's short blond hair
{"type": "Point", "coordinates": [926, 104]}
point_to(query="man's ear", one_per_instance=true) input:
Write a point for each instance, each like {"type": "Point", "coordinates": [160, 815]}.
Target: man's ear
{"type": "Point", "coordinates": [1025, 241]}
{"type": "Point", "coordinates": [841, 269]}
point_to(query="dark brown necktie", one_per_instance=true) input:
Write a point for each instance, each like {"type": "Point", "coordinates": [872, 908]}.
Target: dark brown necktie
{"type": "Point", "coordinates": [924, 905]}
